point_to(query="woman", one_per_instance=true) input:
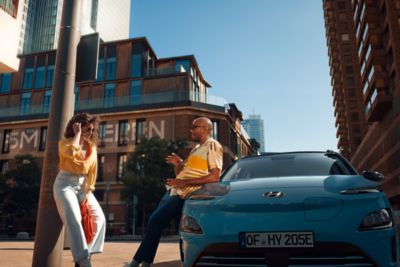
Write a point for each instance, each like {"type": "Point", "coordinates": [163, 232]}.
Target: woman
{"type": "Point", "coordinates": [75, 183]}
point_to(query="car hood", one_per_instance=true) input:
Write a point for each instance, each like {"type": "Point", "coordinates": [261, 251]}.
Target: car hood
{"type": "Point", "coordinates": [334, 183]}
{"type": "Point", "coordinates": [303, 199]}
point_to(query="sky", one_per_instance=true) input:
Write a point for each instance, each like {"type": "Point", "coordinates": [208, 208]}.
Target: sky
{"type": "Point", "coordinates": [269, 57]}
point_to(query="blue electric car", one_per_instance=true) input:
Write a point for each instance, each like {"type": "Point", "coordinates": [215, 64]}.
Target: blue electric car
{"type": "Point", "coordinates": [290, 209]}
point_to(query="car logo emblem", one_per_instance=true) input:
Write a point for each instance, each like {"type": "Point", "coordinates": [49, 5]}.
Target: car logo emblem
{"type": "Point", "coordinates": [275, 194]}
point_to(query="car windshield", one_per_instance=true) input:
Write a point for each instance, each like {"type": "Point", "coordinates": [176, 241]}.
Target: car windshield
{"type": "Point", "coordinates": [288, 164]}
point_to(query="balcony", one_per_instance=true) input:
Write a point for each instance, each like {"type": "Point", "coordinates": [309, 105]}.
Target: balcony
{"type": "Point", "coordinates": [380, 102]}
{"type": "Point", "coordinates": [164, 71]}
{"type": "Point", "coordinates": [111, 103]}
{"type": "Point", "coordinates": [341, 131]}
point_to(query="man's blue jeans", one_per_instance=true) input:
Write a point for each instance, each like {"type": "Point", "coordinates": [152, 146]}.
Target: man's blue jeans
{"type": "Point", "coordinates": [168, 209]}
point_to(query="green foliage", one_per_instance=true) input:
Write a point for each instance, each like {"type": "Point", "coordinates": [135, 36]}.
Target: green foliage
{"type": "Point", "coordinates": [19, 190]}
{"type": "Point", "coordinates": [147, 171]}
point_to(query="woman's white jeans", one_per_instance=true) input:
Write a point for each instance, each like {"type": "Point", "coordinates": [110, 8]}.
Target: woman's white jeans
{"type": "Point", "coordinates": [68, 191]}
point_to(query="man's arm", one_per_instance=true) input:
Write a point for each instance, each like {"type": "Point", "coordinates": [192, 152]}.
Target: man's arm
{"type": "Point", "coordinates": [212, 177]}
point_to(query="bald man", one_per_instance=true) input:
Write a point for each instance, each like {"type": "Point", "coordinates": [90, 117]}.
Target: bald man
{"type": "Point", "coordinates": [203, 166]}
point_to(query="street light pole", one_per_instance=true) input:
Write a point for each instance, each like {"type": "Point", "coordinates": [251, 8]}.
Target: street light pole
{"type": "Point", "coordinates": [49, 229]}
{"type": "Point", "coordinates": [134, 202]}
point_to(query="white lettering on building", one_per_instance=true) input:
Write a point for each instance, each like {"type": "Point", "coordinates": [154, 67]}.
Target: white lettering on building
{"type": "Point", "coordinates": [28, 138]}
{"type": "Point", "coordinates": [159, 131]}
{"type": "Point", "coordinates": [14, 140]}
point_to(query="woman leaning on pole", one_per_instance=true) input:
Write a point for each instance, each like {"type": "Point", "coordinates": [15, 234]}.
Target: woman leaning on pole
{"type": "Point", "coordinates": [75, 183]}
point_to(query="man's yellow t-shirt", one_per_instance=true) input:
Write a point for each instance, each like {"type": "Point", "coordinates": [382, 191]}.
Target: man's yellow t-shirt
{"type": "Point", "coordinates": [201, 160]}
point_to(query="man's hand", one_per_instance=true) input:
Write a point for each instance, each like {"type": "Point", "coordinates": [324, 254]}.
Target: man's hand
{"type": "Point", "coordinates": [174, 160]}
{"type": "Point", "coordinates": [177, 183]}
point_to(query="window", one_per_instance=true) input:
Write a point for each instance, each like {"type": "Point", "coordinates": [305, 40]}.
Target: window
{"type": "Point", "coordinates": [122, 159]}
{"type": "Point", "coordinates": [215, 130]}
{"type": "Point", "coordinates": [341, 5]}
{"type": "Point", "coordinates": [102, 133]}
{"type": "Point", "coordinates": [354, 116]}
{"type": "Point", "coordinates": [39, 77]}
{"type": "Point", "coordinates": [5, 82]}
{"type": "Point", "coordinates": [110, 68]}
{"type": "Point", "coordinates": [109, 94]}
{"type": "Point", "coordinates": [43, 136]}
{"type": "Point", "coordinates": [46, 101]}
{"type": "Point", "coordinates": [6, 141]}
{"type": "Point", "coordinates": [28, 78]}
{"type": "Point", "coordinates": [349, 70]}
{"type": "Point", "coordinates": [136, 67]}
{"type": "Point", "coordinates": [356, 129]}
{"type": "Point", "coordinates": [76, 92]}
{"type": "Point", "coordinates": [140, 130]}
{"type": "Point", "coordinates": [289, 164]}
{"type": "Point", "coordinates": [349, 82]}
{"type": "Point", "coordinates": [25, 104]}
{"type": "Point", "coordinates": [100, 168]}
{"type": "Point", "coordinates": [50, 76]}
{"type": "Point", "coordinates": [123, 133]}
{"type": "Point", "coordinates": [135, 92]}
{"type": "Point", "coordinates": [345, 37]}
{"type": "Point", "coordinates": [342, 17]}
{"type": "Point", "coordinates": [182, 65]}
{"type": "Point", "coordinates": [4, 166]}
{"type": "Point", "coordinates": [100, 70]}
{"type": "Point", "coordinates": [111, 63]}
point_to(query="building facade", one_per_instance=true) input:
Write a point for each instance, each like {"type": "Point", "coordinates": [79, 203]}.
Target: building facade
{"type": "Point", "coordinates": [41, 22]}
{"type": "Point", "coordinates": [364, 56]}
{"type": "Point", "coordinates": [136, 95]}
{"type": "Point", "coordinates": [254, 126]}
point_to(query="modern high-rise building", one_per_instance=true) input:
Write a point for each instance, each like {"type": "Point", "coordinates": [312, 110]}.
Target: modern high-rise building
{"type": "Point", "coordinates": [254, 126]}
{"type": "Point", "coordinates": [363, 39]}
{"type": "Point", "coordinates": [41, 22]}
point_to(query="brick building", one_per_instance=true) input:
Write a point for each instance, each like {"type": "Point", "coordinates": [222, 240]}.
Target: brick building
{"type": "Point", "coordinates": [364, 56]}
{"type": "Point", "coordinates": [136, 94]}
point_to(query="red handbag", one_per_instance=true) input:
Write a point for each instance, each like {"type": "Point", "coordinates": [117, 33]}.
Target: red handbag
{"type": "Point", "coordinates": [88, 224]}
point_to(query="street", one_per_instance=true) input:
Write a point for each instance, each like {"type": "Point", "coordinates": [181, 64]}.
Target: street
{"type": "Point", "coordinates": [19, 254]}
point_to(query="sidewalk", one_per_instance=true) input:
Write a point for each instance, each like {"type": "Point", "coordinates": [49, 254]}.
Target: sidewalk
{"type": "Point", "coordinates": [19, 254]}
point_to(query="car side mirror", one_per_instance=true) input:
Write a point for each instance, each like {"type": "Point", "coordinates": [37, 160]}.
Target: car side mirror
{"type": "Point", "coordinates": [373, 176]}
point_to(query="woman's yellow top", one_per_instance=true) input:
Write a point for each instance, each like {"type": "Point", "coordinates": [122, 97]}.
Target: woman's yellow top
{"type": "Point", "coordinates": [72, 160]}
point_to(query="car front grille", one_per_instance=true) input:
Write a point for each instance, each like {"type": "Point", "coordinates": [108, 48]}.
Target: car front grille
{"type": "Point", "coordinates": [322, 254]}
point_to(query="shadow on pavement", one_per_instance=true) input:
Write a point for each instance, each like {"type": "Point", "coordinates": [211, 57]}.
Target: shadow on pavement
{"type": "Point", "coordinates": [16, 249]}
{"type": "Point", "coordinates": [168, 264]}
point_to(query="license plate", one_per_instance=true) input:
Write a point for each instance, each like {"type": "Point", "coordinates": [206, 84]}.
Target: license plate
{"type": "Point", "coordinates": [276, 240]}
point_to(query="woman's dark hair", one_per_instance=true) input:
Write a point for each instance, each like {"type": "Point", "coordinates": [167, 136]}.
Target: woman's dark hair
{"type": "Point", "coordinates": [84, 119]}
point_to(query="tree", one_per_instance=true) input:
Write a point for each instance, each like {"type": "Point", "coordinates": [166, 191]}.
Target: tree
{"type": "Point", "coordinates": [147, 171]}
{"type": "Point", "coordinates": [20, 193]}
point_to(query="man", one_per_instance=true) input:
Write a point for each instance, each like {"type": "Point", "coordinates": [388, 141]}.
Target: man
{"type": "Point", "coordinates": [203, 166]}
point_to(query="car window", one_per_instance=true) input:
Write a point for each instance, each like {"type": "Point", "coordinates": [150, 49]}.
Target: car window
{"type": "Point", "coordinates": [296, 164]}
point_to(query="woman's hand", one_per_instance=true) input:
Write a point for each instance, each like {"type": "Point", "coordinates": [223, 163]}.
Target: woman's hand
{"type": "Point", "coordinates": [174, 159]}
{"type": "Point", "coordinates": [76, 127]}
{"type": "Point", "coordinates": [85, 196]}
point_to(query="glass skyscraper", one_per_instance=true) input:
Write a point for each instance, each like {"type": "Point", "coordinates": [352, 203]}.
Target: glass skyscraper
{"type": "Point", "coordinates": [254, 126]}
{"type": "Point", "coordinates": [42, 18]}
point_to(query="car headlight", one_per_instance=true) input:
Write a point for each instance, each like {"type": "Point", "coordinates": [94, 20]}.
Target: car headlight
{"type": "Point", "coordinates": [190, 225]}
{"type": "Point", "coordinates": [377, 220]}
